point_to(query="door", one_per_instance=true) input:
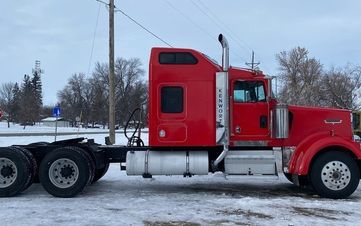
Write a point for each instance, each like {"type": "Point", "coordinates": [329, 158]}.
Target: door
{"type": "Point", "coordinates": [250, 111]}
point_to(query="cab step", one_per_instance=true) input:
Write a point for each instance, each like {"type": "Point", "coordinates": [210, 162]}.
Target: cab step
{"type": "Point", "coordinates": [253, 163]}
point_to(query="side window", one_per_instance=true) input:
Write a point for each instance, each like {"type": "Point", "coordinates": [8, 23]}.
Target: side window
{"type": "Point", "coordinates": [177, 58]}
{"type": "Point", "coordinates": [260, 92]}
{"type": "Point", "coordinates": [249, 91]}
{"type": "Point", "coordinates": [172, 99]}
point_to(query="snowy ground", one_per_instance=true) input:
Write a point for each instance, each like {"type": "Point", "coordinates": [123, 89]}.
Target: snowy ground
{"type": "Point", "coordinates": [39, 128]}
{"type": "Point", "coordinates": [49, 137]}
{"type": "Point", "coordinates": [205, 200]}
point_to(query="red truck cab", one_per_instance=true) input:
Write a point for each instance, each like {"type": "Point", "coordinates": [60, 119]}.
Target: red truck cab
{"type": "Point", "coordinates": [189, 108]}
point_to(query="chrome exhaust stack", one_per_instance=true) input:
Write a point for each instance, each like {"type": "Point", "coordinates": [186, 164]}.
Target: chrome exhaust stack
{"type": "Point", "coordinates": [225, 53]}
{"type": "Point", "coordinates": [225, 67]}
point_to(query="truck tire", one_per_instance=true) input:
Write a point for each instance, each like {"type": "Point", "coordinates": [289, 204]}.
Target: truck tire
{"type": "Point", "coordinates": [15, 171]}
{"type": "Point", "coordinates": [92, 166]}
{"type": "Point", "coordinates": [99, 173]}
{"type": "Point", "coordinates": [334, 175]}
{"type": "Point", "coordinates": [65, 172]}
{"type": "Point", "coordinates": [33, 165]}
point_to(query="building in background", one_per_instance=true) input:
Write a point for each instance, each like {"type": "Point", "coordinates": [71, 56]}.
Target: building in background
{"type": "Point", "coordinates": [51, 122]}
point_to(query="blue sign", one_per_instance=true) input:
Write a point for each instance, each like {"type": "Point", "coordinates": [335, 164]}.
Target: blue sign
{"type": "Point", "coordinates": [56, 111]}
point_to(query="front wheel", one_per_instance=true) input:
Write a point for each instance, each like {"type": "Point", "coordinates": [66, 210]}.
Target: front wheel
{"type": "Point", "coordinates": [335, 175]}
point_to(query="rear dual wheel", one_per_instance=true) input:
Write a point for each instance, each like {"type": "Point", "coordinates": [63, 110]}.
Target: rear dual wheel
{"type": "Point", "coordinates": [66, 171]}
{"type": "Point", "coordinates": [33, 165]}
{"type": "Point", "coordinates": [99, 173]}
{"type": "Point", "coordinates": [15, 171]}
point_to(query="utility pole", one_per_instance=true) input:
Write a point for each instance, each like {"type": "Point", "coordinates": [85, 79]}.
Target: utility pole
{"type": "Point", "coordinates": [253, 64]}
{"type": "Point", "coordinates": [111, 74]}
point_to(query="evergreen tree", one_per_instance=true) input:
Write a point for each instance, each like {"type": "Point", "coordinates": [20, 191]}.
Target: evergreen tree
{"type": "Point", "coordinates": [37, 94]}
{"type": "Point", "coordinates": [16, 102]}
{"type": "Point", "coordinates": [27, 114]}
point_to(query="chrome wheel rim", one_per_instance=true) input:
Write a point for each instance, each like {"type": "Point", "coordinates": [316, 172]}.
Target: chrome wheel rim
{"type": "Point", "coordinates": [63, 173]}
{"type": "Point", "coordinates": [335, 175]}
{"type": "Point", "coordinates": [8, 172]}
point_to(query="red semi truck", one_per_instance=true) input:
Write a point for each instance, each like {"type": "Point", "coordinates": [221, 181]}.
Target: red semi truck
{"type": "Point", "coordinates": [203, 118]}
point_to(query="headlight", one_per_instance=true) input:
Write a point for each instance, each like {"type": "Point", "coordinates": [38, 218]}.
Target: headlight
{"type": "Point", "coordinates": [356, 138]}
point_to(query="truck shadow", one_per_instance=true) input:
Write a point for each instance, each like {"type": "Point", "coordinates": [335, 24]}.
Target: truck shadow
{"type": "Point", "coordinates": [225, 189]}
{"type": "Point", "coordinates": [251, 190]}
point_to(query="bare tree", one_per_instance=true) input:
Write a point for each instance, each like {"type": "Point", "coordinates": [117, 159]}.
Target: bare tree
{"type": "Point", "coordinates": [6, 99]}
{"type": "Point", "coordinates": [72, 97]}
{"type": "Point", "coordinates": [130, 88]}
{"type": "Point", "coordinates": [90, 96]}
{"type": "Point", "coordinates": [342, 87]}
{"type": "Point", "coordinates": [100, 90]}
{"type": "Point", "coordinates": [301, 77]}
{"type": "Point", "coordinates": [306, 83]}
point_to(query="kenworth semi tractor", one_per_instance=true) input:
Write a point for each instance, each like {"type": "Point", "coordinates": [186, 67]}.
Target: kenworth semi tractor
{"type": "Point", "coordinates": [203, 117]}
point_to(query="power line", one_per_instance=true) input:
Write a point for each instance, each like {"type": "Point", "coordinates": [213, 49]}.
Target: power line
{"type": "Point", "coordinates": [218, 23]}
{"type": "Point", "coordinates": [233, 35]}
{"type": "Point", "coordinates": [94, 35]}
{"type": "Point", "coordinates": [214, 20]}
{"type": "Point", "coordinates": [144, 28]}
{"type": "Point", "coordinates": [191, 21]}
{"type": "Point", "coordinates": [199, 27]}
{"type": "Point", "coordinates": [219, 26]}
{"type": "Point", "coordinates": [138, 23]}
{"type": "Point", "coordinates": [105, 3]}
{"type": "Point", "coordinates": [224, 25]}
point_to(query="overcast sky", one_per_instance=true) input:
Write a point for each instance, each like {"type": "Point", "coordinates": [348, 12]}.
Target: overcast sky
{"type": "Point", "coordinates": [60, 33]}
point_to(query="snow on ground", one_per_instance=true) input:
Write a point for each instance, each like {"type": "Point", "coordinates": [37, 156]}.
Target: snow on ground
{"type": "Point", "coordinates": [49, 137]}
{"type": "Point", "coordinates": [201, 200]}
{"type": "Point", "coordinates": [41, 128]}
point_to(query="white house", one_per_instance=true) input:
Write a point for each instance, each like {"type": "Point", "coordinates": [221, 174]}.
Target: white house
{"type": "Point", "coordinates": [51, 122]}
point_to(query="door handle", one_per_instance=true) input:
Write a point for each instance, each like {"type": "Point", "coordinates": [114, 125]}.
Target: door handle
{"type": "Point", "coordinates": [238, 130]}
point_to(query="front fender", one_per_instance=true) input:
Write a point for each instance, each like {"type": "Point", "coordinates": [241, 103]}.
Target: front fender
{"type": "Point", "coordinates": [302, 157]}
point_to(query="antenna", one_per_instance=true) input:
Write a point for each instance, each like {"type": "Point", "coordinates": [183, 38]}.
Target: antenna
{"type": "Point", "coordinates": [37, 68]}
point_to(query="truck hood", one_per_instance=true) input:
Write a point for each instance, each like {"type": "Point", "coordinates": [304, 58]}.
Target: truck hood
{"type": "Point", "coordinates": [305, 121]}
